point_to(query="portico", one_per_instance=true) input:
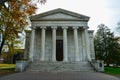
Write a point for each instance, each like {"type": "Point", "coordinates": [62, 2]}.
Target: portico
{"type": "Point", "coordinates": [60, 35]}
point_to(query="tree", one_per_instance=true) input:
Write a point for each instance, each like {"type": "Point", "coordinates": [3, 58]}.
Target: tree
{"type": "Point", "coordinates": [14, 17]}
{"type": "Point", "coordinates": [100, 41]}
{"type": "Point", "coordinates": [106, 45]}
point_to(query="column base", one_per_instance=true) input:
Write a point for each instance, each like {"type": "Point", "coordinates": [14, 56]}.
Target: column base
{"type": "Point", "coordinates": [54, 60]}
{"type": "Point", "coordinates": [65, 60]}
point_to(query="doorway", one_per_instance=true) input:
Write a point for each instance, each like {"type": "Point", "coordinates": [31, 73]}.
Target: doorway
{"type": "Point", "coordinates": [59, 50]}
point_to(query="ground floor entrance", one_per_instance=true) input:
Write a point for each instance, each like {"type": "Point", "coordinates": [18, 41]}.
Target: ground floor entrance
{"type": "Point", "coordinates": [60, 45]}
{"type": "Point", "coordinates": [59, 50]}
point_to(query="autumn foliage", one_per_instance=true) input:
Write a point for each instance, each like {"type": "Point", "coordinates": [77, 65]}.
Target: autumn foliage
{"type": "Point", "coordinates": [14, 17]}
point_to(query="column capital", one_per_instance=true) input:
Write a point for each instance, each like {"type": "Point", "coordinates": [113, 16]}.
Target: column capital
{"type": "Point", "coordinates": [75, 27]}
{"type": "Point", "coordinates": [54, 27]}
{"type": "Point", "coordinates": [43, 27]}
{"type": "Point", "coordinates": [64, 27]}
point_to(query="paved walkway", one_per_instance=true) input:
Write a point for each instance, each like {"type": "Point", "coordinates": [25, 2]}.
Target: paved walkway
{"type": "Point", "coordinates": [59, 76]}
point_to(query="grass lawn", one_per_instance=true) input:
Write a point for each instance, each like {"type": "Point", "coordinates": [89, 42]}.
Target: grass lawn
{"type": "Point", "coordinates": [7, 66]}
{"type": "Point", "coordinates": [112, 70]}
{"type": "Point", "coordinates": [6, 69]}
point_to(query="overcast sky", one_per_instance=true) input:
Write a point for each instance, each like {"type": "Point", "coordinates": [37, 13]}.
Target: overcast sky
{"type": "Point", "coordinates": [99, 11]}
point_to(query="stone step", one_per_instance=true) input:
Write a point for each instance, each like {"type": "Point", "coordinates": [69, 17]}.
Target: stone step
{"type": "Point", "coordinates": [60, 66]}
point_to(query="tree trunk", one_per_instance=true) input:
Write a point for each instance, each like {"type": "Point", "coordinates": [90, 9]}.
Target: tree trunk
{"type": "Point", "coordinates": [11, 60]}
{"type": "Point", "coordinates": [108, 64]}
{"type": "Point", "coordinates": [107, 61]}
{"type": "Point", "coordinates": [1, 46]}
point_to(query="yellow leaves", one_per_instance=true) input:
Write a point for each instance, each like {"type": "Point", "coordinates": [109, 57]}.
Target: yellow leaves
{"type": "Point", "coordinates": [31, 10]}
{"type": "Point", "coordinates": [13, 19]}
{"type": "Point", "coordinates": [12, 2]}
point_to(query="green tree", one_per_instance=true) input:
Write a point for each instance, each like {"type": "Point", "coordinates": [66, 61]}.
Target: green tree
{"type": "Point", "coordinates": [106, 45]}
{"type": "Point", "coordinates": [100, 41]}
{"type": "Point", "coordinates": [14, 17]}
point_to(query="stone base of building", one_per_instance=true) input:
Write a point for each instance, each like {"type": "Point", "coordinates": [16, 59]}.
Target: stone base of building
{"type": "Point", "coordinates": [60, 66]}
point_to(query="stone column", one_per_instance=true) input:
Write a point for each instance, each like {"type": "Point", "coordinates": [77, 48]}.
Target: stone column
{"type": "Point", "coordinates": [87, 44]}
{"type": "Point", "coordinates": [54, 43]}
{"type": "Point", "coordinates": [31, 51]}
{"type": "Point", "coordinates": [43, 43]}
{"type": "Point", "coordinates": [80, 44]}
{"type": "Point", "coordinates": [84, 56]}
{"type": "Point", "coordinates": [77, 56]}
{"type": "Point", "coordinates": [91, 38]}
{"type": "Point", "coordinates": [27, 44]}
{"type": "Point", "coordinates": [65, 49]}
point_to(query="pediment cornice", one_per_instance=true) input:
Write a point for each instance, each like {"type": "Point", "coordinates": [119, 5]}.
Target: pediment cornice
{"type": "Point", "coordinates": [59, 14]}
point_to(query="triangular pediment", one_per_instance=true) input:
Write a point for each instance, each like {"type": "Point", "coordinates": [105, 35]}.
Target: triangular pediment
{"type": "Point", "coordinates": [59, 14]}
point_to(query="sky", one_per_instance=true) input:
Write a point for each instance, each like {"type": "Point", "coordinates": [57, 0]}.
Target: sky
{"type": "Point", "coordinates": [99, 11]}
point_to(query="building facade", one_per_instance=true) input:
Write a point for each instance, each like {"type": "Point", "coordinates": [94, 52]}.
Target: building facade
{"type": "Point", "coordinates": [60, 36]}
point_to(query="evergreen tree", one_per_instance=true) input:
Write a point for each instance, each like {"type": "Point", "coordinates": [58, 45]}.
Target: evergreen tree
{"type": "Point", "coordinates": [106, 45]}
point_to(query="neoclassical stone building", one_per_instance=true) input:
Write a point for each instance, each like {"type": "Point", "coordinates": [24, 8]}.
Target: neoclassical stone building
{"type": "Point", "coordinates": [60, 36]}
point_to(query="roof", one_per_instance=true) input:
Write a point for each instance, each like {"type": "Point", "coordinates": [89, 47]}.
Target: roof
{"type": "Point", "coordinates": [70, 14]}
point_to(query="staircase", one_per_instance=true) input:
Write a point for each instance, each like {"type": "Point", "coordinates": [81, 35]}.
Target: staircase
{"type": "Point", "coordinates": [60, 66]}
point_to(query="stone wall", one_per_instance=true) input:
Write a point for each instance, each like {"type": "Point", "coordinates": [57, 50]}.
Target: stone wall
{"type": "Point", "coordinates": [37, 46]}
{"type": "Point", "coordinates": [48, 45]}
{"type": "Point", "coordinates": [71, 48]}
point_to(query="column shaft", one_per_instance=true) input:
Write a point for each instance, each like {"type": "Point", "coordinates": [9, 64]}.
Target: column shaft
{"type": "Point", "coordinates": [32, 45]}
{"type": "Point", "coordinates": [84, 56]}
{"type": "Point", "coordinates": [43, 44]}
{"type": "Point", "coordinates": [87, 44]}
{"type": "Point", "coordinates": [80, 45]}
{"type": "Point", "coordinates": [77, 56]}
{"type": "Point", "coordinates": [65, 44]}
{"type": "Point", "coordinates": [54, 44]}
{"type": "Point", "coordinates": [27, 43]}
